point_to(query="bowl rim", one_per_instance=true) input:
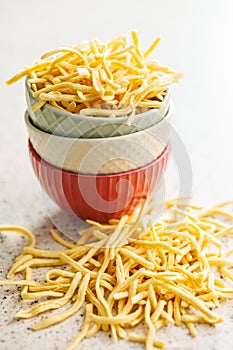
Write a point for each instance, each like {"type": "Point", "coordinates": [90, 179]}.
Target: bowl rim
{"type": "Point", "coordinates": [100, 119]}
{"type": "Point", "coordinates": [30, 125]}
{"type": "Point", "coordinates": [35, 155]}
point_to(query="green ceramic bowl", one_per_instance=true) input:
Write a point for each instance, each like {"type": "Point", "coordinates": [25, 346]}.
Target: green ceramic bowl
{"type": "Point", "coordinates": [55, 121]}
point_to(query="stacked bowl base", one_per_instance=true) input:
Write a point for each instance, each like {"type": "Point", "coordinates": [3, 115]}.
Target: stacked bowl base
{"type": "Point", "coordinates": [99, 178]}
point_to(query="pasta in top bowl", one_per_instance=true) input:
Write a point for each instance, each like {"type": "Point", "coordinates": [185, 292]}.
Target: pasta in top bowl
{"type": "Point", "coordinates": [62, 123]}
{"type": "Point", "coordinates": [112, 84]}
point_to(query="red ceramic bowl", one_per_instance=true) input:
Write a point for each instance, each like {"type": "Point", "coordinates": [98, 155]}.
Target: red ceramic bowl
{"type": "Point", "coordinates": [98, 197]}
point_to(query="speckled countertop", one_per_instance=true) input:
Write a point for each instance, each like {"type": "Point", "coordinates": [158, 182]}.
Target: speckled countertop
{"type": "Point", "coordinates": [203, 119]}
{"type": "Point", "coordinates": [16, 334]}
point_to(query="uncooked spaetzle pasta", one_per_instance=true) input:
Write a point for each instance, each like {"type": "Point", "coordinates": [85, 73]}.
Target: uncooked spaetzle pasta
{"type": "Point", "coordinates": [166, 272]}
{"type": "Point", "coordinates": [95, 79]}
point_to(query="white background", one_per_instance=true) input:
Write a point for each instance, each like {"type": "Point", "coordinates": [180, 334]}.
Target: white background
{"type": "Point", "coordinates": [197, 40]}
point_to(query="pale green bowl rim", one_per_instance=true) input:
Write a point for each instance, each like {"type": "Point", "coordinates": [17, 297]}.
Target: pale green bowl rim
{"type": "Point", "coordinates": [105, 120]}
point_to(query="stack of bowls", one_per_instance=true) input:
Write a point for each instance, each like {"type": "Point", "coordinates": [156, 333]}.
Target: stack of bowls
{"type": "Point", "coordinates": [98, 168]}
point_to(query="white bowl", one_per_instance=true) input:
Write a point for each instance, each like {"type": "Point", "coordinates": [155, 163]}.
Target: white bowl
{"type": "Point", "coordinates": [102, 155]}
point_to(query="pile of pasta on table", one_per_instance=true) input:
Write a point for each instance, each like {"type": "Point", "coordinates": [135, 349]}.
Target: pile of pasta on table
{"type": "Point", "coordinates": [133, 271]}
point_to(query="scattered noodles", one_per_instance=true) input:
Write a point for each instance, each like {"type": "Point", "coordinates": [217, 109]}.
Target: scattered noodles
{"type": "Point", "coordinates": [95, 79]}
{"type": "Point", "coordinates": [169, 273]}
